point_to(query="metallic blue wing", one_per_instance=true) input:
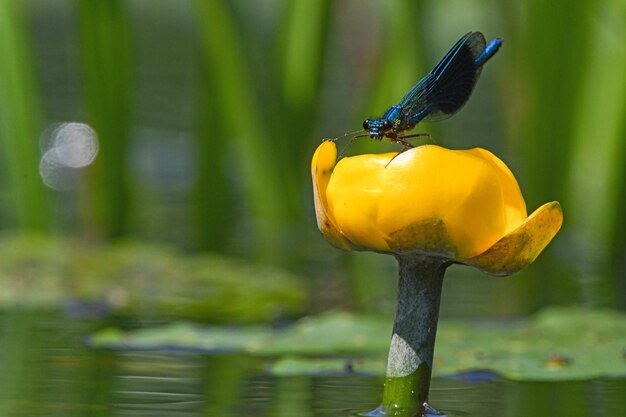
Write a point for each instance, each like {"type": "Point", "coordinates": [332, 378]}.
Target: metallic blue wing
{"type": "Point", "coordinates": [448, 86]}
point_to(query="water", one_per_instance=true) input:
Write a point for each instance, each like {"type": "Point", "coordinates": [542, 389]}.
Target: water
{"type": "Point", "coordinates": [47, 370]}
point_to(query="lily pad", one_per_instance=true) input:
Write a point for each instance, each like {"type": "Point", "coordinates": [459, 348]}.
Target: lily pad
{"type": "Point", "coordinates": [294, 366]}
{"type": "Point", "coordinates": [184, 336]}
{"type": "Point", "coordinates": [331, 334]}
{"type": "Point", "coordinates": [555, 344]}
{"type": "Point", "coordinates": [132, 277]}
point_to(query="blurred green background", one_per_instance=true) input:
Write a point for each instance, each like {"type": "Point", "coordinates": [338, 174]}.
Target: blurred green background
{"type": "Point", "coordinates": [207, 114]}
{"type": "Point", "coordinates": [186, 193]}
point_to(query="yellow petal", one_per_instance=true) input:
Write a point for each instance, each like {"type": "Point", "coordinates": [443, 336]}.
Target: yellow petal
{"type": "Point", "coordinates": [354, 192]}
{"type": "Point", "coordinates": [462, 205]}
{"type": "Point", "coordinates": [322, 166]}
{"type": "Point", "coordinates": [513, 201]}
{"type": "Point", "coordinates": [521, 247]}
{"type": "Point", "coordinates": [428, 199]}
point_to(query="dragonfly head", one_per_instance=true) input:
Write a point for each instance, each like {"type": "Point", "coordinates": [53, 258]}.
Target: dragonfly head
{"type": "Point", "coordinates": [377, 127]}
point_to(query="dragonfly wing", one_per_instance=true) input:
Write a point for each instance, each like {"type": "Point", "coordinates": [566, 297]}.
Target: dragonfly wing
{"type": "Point", "coordinates": [444, 90]}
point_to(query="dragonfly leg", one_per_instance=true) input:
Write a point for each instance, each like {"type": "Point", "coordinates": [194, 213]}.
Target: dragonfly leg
{"type": "Point", "coordinates": [418, 135]}
{"type": "Point", "coordinates": [404, 143]}
{"type": "Point", "coordinates": [343, 136]}
{"type": "Point", "coordinates": [402, 140]}
{"type": "Point", "coordinates": [345, 148]}
{"type": "Point", "coordinates": [396, 155]}
{"type": "Point", "coordinates": [399, 140]}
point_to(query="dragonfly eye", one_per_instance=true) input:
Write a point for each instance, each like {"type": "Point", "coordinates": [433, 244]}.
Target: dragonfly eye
{"type": "Point", "coordinates": [366, 124]}
{"type": "Point", "coordinates": [386, 125]}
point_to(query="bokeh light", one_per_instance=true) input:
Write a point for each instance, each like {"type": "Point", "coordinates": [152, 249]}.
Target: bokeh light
{"type": "Point", "coordinates": [67, 148]}
{"type": "Point", "coordinates": [76, 144]}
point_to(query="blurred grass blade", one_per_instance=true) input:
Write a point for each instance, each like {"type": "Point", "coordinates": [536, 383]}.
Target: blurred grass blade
{"type": "Point", "coordinates": [598, 148]}
{"type": "Point", "coordinates": [550, 49]}
{"type": "Point", "coordinates": [372, 284]}
{"type": "Point", "coordinates": [106, 43]}
{"type": "Point", "coordinates": [214, 221]}
{"type": "Point", "coordinates": [20, 123]}
{"type": "Point", "coordinates": [617, 244]}
{"type": "Point", "coordinates": [401, 55]}
{"type": "Point", "coordinates": [303, 34]}
{"type": "Point", "coordinates": [555, 45]}
{"type": "Point", "coordinates": [233, 91]}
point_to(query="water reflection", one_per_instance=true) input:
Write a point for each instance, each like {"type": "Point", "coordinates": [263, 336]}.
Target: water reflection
{"type": "Point", "coordinates": [47, 370]}
{"type": "Point", "coordinates": [158, 384]}
{"type": "Point", "coordinates": [464, 398]}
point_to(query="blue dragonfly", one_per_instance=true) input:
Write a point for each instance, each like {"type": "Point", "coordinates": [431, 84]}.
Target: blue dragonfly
{"type": "Point", "coordinates": [439, 95]}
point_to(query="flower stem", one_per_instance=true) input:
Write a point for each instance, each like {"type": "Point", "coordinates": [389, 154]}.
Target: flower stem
{"type": "Point", "coordinates": [410, 361]}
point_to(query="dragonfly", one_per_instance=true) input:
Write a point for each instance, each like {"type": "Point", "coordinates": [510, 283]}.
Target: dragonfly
{"type": "Point", "coordinates": [437, 96]}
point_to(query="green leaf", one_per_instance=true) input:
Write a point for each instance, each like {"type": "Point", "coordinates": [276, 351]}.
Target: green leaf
{"type": "Point", "coordinates": [556, 344]}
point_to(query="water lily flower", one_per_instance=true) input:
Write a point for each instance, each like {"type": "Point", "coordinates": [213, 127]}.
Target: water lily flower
{"type": "Point", "coordinates": [430, 207]}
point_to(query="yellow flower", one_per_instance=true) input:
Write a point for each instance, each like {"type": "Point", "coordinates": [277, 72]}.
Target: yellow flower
{"type": "Point", "coordinates": [462, 205]}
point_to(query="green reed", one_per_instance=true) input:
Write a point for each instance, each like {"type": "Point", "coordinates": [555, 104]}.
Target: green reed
{"type": "Point", "coordinates": [571, 92]}
{"type": "Point", "coordinates": [107, 77]}
{"type": "Point", "coordinates": [20, 123]}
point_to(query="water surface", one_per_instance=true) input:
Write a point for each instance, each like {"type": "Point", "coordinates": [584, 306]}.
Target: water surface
{"type": "Point", "coordinates": [47, 370]}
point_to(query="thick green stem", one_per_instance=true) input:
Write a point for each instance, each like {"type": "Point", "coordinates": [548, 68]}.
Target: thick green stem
{"type": "Point", "coordinates": [413, 342]}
